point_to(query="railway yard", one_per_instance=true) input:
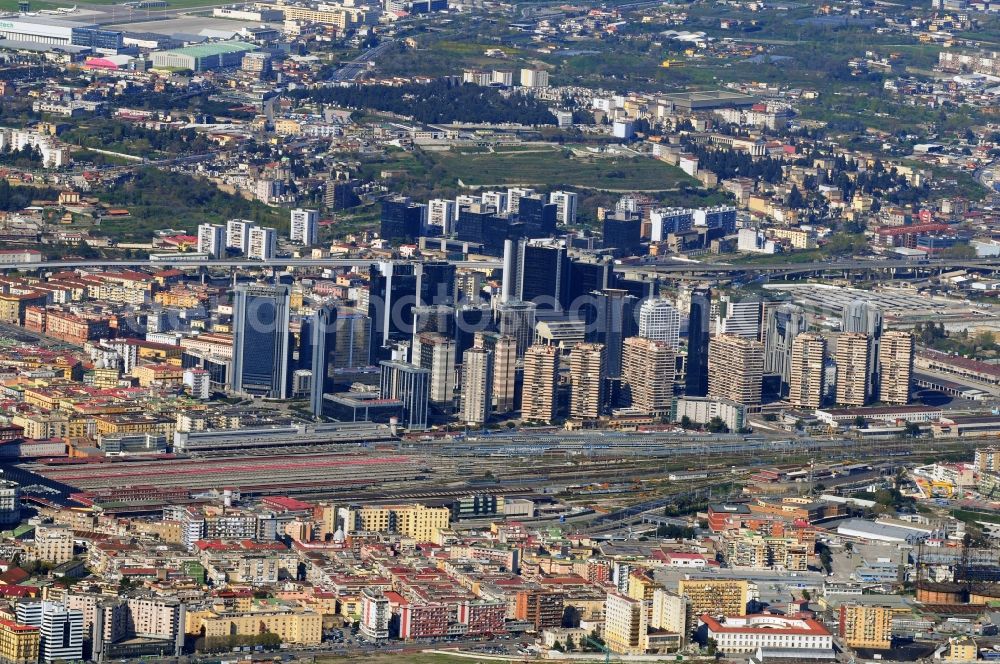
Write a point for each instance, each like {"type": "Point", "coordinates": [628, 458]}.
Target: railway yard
{"type": "Point", "coordinates": [582, 477]}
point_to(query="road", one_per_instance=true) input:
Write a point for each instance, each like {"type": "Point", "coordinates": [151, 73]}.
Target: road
{"type": "Point", "coordinates": [352, 70]}
{"type": "Point", "coordinates": [181, 261]}
{"type": "Point", "coordinates": [674, 268]}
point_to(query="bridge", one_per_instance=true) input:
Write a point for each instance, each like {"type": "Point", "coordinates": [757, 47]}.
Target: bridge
{"type": "Point", "coordinates": [675, 268]}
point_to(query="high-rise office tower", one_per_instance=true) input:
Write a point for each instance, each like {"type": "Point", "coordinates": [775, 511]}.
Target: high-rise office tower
{"type": "Point", "coordinates": [648, 368]}
{"type": "Point", "coordinates": [659, 320]}
{"type": "Point", "coordinates": [477, 383]}
{"type": "Point", "coordinates": [735, 369]}
{"type": "Point", "coordinates": [304, 226]}
{"type": "Point", "coordinates": [438, 318]}
{"type": "Point", "coordinates": [642, 287]}
{"type": "Point", "coordinates": [504, 350]}
{"type": "Point", "coordinates": [475, 223]}
{"type": "Point", "coordinates": [589, 274]}
{"type": "Point", "coordinates": [409, 384]}
{"type": "Point", "coordinates": [517, 319]}
{"type": "Point", "coordinates": [319, 333]}
{"type": "Point", "coordinates": [212, 240]}
{"type": "Point", "coordinates": [263, 243]}
{"type": "Point", "coordinates": [866, 318]}
{"type": "Point", "coordinates": [353, 340]}
{"type": "Point", "coordinates": [435, 283]}
{"type": "Point", "coordinates": [738, 317]}
{"type": "Point", "coordinates": [566, 204]}
{"type": "Point", "coordinates": [260, 340]}
{"type": "Point", "coordinates": [469, 286]}
{"type": "Point", "coordinates": [537, 215]}
{"type": "Point", "coordinates": [696, 376]}
{"type": "Point", "coordinates": [784, 323]}
{"type": "Point", "coordinates": [543, 274]}
{"type": "Point", "coordinates": [806, 375]}
{"type": "Point", "coordinates": [392, 294]}
{"type": "Point", "coordinates": [469, 320]}
{"type": "Point", "coordinates": [852, 368]}
{"type": "Point", "coordinates": [622, 231]}
{"type": "Point", "coordinates": [587, 372]}
{"type": "Point", "coordinates": [614, 322]}
{"type": "Point", "coordinates": [436, 353]}
{"type": "Point", "coordinates": [401, 220]}
{"type": "Point", "coordinates": [896, 366]}
{"type": "Point", "coordinates": [538, 393]}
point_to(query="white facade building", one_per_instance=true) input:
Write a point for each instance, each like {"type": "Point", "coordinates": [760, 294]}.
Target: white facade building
{"type": "Point", "coordinates": [304, 226]}
{"type": "Point", "coordinates": [733, 634]}
{"type": "Point", "coordinates": [238, 234]}
{"type": "Point", "coordinates": [442, 212]}
{"type": "Point", "coordinates": [566, 205]}
{"type": "Point", "coordinates": [263, 243]}
{"type": "Point", "coordinates": [212, 240]}
{"type": "Point", "coordinates": [659, 320]}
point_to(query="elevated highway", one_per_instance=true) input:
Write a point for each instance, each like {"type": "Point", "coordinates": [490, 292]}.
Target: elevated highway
{"type": "Point", "coordinates": [675, 268]}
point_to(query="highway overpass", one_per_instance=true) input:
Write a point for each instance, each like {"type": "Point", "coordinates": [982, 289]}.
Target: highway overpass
{"type": "Point", "coordinates": [675, 268]}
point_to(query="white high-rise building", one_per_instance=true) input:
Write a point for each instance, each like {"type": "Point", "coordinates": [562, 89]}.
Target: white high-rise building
{"type": "Point", "coordinates": [514, 197]}
{"type": "Point", "coordinates": [442, 212]}
{"type": "Point", "coordinates": [497, 199]}
{"type": "Point", "coordinates": [238, 234]}
{"type": "Point", "coordinates": [534, 78]}
{"type": "Point", "coordinates": [566, 204]}
{"type": "Point", "coordinates": [740, 318]}
{"type": "Point", "coordinates": [304, 226]}
{"type": "Point", "coordinates": [263, 243]}
{"type": "Point", "coordinates": [212, 240]}
{"type": "Point", "coordinates": [60, 628]}
{"type": "Point", "coordinates": [659, 320]}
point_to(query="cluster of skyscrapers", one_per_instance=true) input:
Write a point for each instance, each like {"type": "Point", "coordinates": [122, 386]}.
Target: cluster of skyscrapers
{"type": "Point", "coordinates": [560, 336]}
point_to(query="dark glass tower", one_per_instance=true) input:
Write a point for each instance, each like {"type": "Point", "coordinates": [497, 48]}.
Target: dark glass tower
{"type": "Point", "coordinates": [696, 380]}
{"type": "Point", "coordinates": [401, 219]}
{"type": "Point", "coordinates": [260, 340]}
{"type": "Point", "coordinates": [391, 298]}
{"type": "Point", "coordinates": [318, 345]}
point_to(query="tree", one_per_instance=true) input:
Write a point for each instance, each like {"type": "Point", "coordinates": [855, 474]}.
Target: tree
{"type": "Point", "coordinates": [716, 425]}
{"type": "Point", "coordinates": [570, 643]}
{"type": "Point", "coordinates": [686, 422]}
{"type": "Point", "coordinates": [911, 430]}
{"type": "Point", "coordinates": [712, 646]}
{"type": "Point", "coordinates": [795, 199]}
{"type": "Point", "coordinates": [571, 617]}
{"type": "Point", "coordinates": [558, 646]}
{"type": "Point", "coordinates": [860, 422]}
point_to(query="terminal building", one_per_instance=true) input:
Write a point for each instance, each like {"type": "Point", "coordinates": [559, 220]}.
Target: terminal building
{"type": "Point", "coordinates": [55, 32]}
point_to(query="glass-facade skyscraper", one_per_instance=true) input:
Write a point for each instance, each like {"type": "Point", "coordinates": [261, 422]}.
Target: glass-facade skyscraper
{"type": "Point", "coordinates": [261, 340]}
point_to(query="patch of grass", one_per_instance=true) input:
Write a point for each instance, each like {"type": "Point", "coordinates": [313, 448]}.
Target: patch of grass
{"type": "Point", "coordinates": [558, 168]}
{"type": "Point", "coordinates": [970, 517]}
